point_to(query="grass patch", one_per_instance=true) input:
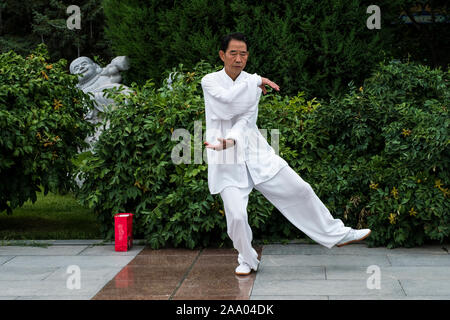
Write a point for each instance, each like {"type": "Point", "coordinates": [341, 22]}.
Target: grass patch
{"type": "Point", "coordinates": [51, 217]}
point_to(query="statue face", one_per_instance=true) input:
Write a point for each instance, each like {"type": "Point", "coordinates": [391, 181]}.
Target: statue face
{"type": "Point", "coordinates": [85, 68]}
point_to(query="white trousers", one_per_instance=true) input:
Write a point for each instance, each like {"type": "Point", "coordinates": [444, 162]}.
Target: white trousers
{"type": "Point", "coordinates": [294, 198]}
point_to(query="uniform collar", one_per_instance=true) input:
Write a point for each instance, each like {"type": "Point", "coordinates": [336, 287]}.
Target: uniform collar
{"type": "Point", "coordinates": [227, 78]}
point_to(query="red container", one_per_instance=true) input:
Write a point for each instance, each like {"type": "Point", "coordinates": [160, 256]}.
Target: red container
{"type": "Point", "coordinates": [123, 223]}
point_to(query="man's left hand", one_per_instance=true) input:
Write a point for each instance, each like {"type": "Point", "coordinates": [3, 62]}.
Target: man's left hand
{"type": "Point", "coordinates": [224, 143]}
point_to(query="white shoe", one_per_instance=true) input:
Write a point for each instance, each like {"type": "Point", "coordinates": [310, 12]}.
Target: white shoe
{"type": "Point", "coordinates": [243, 269]}
{"type": "Point", "coordinates": [354, 236]}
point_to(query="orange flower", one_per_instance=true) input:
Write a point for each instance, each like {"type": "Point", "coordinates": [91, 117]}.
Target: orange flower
{"type": "Point", "coordinates": [446, 191]}
{"type": "Point", "coordinates": [49, 66]}
{"type": "Point", "coordinates": [406, 132]}
{"type": "Point", "coordinates": [394, 192]}
{"type": "Point", "coordinates": [392, 217]}
{"type": "Point", "coordinates": [57, 104]}
{"type": "Point", "coordinates": [45, 75]}
{"type": "Point", "coordinates": [438, 183]}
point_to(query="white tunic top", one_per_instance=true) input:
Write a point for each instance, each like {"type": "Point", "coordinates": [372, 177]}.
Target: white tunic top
{"type": "Point", "coordinates": [231, 110]}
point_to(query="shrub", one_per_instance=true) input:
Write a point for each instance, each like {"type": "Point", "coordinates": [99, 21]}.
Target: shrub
{"type": "Point", "coordinates": [354, 150]}
{"type": "Point", "coordinates": [42, 126]}
{"type": "Point", "coordinates": [382, 155]}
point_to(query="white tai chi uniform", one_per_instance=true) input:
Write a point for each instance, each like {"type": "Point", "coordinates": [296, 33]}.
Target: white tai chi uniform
{"type": "Point", "coordinates": [231, 110]}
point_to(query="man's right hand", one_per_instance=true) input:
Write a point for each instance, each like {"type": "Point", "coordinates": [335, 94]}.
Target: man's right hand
{"type": "Point", "coordinates": [271, 84]}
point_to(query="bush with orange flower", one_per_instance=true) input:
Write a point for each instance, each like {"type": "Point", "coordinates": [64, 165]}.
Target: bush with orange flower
{"type": "Point", "coordinates": [41, 126]}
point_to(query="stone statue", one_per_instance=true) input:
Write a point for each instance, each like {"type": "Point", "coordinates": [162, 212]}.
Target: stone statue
{"type": "Point", "coordinates": [94, 79]}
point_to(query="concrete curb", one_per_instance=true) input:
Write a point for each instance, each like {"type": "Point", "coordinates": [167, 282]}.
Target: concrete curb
{"type": "Point", "coordinates": [69, 242]}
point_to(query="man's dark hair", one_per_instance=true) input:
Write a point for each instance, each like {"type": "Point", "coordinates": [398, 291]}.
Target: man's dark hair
{"type": "Point", "coordinates": [232, 36]}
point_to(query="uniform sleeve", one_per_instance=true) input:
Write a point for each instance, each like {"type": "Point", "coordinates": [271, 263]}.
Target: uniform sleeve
{"type": "Point", "coordinates": [237, 132]}
{"type": "Point", "coordinates": [228, 103]}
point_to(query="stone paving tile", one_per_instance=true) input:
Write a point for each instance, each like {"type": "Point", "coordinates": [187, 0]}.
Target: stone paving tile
{"type": "Point", "coordinates": [109, 250]}
{"type": "Point", "coordinates": [163, 260]}
{"type": "Point", "coordinates": [65, 261]}
{"type": "Point", "coordinates": [151, 273]}
{"type": "Point", "coordinates": [130, 289]}
{"type": "Point", "coordinates": [393, 272]}
{"type": "Point", "coordinates": [290, 273]}
{"type": "Point", "coordinates": [41, 251]}
{"type": "Point", "coordinates": [43, 288]}
{"type": "Point", "coordinates": [4, 259]}
{"type": "Point", "coordinates": [213, 288]}
{"type": "Point", "coordinates": [419, 260]}
{"type": "Point", "coordinates": [180, 274]}
{"type": "Point", "coordinates": [40, 273]}
{"type": "Point", "coordinates": [225, 251]}
{"type": "Point", "coordinates": [169, 252]}
{"type": "Point", "coordinates": [128, 295]}
{"type": "Point", "coordinates": [75, 242]}
{"type": "Point", "coordinates": [354, 249]}
{"type": "Point", "coordinates": [53, 297]}
{"type": "Point", "coordinates": [406, 273]}
{"type": "Point", "coordinates": [325, 287]}
{"type": "Point", "coordinates": [25, 273]}
{"type": "Point", "coordinates": [202, 272]}
{"type": "Point", "coordinates": [212, 277]}
{"type": "Point", "coordinates": [324, 260]}
{"type": "Point", "coordinates": [86, 273]}
{"type": "Point", "coordinates": [426, 287]}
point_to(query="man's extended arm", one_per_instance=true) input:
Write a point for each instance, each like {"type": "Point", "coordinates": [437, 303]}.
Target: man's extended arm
{"type": "Point", "coordinates": [237, 132]}
{"type": "Point", "coordinates": [228, 103]}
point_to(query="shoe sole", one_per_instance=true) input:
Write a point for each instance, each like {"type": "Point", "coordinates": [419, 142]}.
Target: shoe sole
{"type": "Point", "coordinates": [353, 241]}
{"type": "Point", "coordinates": [244, 274]}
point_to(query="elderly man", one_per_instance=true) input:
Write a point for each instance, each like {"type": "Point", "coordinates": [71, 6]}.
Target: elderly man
{"type": "Point", "coordinates": [242, 160]}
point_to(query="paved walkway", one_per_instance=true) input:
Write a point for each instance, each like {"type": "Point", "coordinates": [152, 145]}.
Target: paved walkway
{"type": "Point", "coordinates": [293, 271]}
{"type": "Point", "coordinates": [351, 272]}
{"type": "Point", "coordinates": [29, 272]}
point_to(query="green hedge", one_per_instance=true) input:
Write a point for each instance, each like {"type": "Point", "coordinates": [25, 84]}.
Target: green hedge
{"type": "Point", "coordinates": [393, 132]}
{"type": "Point", "coordinates": [41, 126]}
{"type": "Point", "coordinates": [307, 45]}
{"type": "Point", "coordinates": [382, 155]}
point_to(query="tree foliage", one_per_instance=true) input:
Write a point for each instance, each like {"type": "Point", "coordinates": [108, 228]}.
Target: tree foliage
{"type": "Point", "coordinates": [42, 126]}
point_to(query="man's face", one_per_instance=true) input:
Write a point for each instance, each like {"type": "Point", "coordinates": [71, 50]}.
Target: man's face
{"type": "Point", "coordinates": [235, 58]}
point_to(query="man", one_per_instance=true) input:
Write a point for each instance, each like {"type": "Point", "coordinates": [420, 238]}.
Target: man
{"type": "Point", "coordinates": [243, 160]}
